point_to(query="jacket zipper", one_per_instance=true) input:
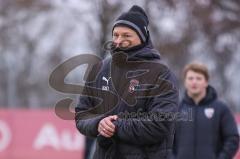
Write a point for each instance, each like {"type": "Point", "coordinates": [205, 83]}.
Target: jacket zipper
{"type": "Point", "coordinates": [195, 130]}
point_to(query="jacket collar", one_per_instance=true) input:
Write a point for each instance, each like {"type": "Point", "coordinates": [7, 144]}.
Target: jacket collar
{"type": "Point", "coordinates": [211, 95]}
{"type": "Point", "coordinates": [143, 51]}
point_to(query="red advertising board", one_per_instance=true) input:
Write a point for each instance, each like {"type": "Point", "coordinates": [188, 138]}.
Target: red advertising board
{"type": "Point", "coordinates": [38, 134]}
{"type": "Point", "coordinates": [237, 117]}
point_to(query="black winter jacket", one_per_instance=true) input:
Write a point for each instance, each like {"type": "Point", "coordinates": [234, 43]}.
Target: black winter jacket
{"type": "Point", "coordinates": [212, 133]}
{"type": "Point", "coordinates": [140, 134]}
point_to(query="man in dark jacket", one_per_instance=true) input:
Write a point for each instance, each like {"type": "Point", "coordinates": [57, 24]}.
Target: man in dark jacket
{"type": "Point", "coordinates": [121, 108]}
{"type": "Point", "coordinates": [212, 133]}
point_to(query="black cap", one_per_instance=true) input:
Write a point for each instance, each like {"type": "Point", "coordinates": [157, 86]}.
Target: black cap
{"type": "Point", "coordinates": [137, 20]}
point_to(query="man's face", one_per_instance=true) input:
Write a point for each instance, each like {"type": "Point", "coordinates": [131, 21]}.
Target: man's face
{"type": "Point", "coordinates": [124, 37]}
{"type": "Point", "coordinates": [195, 83]}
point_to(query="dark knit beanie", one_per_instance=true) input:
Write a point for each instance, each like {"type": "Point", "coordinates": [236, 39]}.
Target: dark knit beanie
{"type": "Point", "coordinates": [137, 20]}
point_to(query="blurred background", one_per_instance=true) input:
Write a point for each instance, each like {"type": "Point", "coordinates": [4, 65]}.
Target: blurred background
{"type": "Point", "coordinates": [38, 35]}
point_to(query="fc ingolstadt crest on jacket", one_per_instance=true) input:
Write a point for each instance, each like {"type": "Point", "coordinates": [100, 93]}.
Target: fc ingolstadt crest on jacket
{"type": "Point", "coordinates": [209, 112]}
{"type": "Point", "coordinates": [133, 85]}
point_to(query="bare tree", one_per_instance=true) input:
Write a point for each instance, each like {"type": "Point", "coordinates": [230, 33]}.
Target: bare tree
{"type": "Point", "coordinates": [104, 12]}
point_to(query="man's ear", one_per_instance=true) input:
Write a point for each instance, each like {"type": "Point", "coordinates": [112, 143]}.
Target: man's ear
{"type": "Point", "coordinates": [184, 82]}
{"type": "Point", "coordinates": [206, 84]}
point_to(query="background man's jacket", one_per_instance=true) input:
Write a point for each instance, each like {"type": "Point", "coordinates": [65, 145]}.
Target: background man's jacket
{"type": "Point", "coordinates": [212, 133]}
